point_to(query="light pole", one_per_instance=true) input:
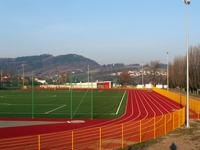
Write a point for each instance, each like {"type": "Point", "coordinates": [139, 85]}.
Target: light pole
{"type": "Point", "coordinates": [142, 75]}
{"type": "Point", "coordinates": [71, 97]}
{"type": "Point", "coordinates": [187, 2]}
{"type": "Point", "coordinates": [91, 90]}
{"type": "Point", "coordinates": [88, 74]}
{"type": "Point", "coordinates": [32, 95]}
{"type": "Point", "coordinates": [167, 71]}
{"type": "Point", "coordinates": [23, 75]}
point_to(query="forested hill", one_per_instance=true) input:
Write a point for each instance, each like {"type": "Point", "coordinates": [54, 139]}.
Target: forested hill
{"type": "Point", "coordinates": [47, 63]}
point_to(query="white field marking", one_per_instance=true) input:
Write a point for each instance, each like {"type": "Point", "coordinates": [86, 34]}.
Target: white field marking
{"type": "Point", "coordinates": [31, 104]}
{"type": "Point", "coordinates": [54, 95]}
{"type": "Point", "coordinates": [54, 109]}
{"type": "Point", "coordinates": [7, 104]}
{"type": "Point", "coordinates": [82, 98]}
{"type": "Point", "coordinates": [120, 103]}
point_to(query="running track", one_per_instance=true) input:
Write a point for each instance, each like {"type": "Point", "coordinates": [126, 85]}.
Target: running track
{"type": "Point", "coordinates": [140, 105]}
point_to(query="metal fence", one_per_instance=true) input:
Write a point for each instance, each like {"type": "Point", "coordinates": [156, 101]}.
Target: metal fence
{"type": "Point", "coordinates": [111, 136]}
{"type": "Point", "coordinates": [194, 104]}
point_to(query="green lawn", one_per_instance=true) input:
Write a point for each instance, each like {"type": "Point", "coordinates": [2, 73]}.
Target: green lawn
{"type": "Point", "coordinates": [62, 103]}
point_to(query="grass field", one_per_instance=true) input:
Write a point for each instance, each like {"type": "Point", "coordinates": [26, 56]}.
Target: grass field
{"type": "Point", "coordinates": [62, 103]}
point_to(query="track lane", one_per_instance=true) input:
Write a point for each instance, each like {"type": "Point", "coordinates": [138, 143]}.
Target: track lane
{"type": "Point", "coordinates": [137, 102]}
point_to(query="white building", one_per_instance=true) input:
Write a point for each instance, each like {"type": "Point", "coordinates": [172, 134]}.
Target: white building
{"type": "Point", "coordinates": [40, 81]}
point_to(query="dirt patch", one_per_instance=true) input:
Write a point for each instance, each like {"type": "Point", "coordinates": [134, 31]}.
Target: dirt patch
{"type": "Point", "coordinates": [180, 139]}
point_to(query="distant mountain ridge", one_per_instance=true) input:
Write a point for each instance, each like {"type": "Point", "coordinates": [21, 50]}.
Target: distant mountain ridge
{"type": "Point", "coordinates": [46, 63]}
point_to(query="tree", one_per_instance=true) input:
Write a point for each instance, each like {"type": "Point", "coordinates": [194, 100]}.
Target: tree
{"type": "Point", "coordinates": [154, 65]}
{"type": "Point", "coordinates": [124, 78]}
{"type": "Point", "coordinates": [177, 70]}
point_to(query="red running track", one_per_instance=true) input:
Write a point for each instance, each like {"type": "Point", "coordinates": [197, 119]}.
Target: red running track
{"type": "Point", "coordinates": [141, 104]}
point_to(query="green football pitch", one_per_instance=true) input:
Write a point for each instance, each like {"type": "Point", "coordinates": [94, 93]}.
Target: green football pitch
{"type": "Point", "coordinates": [62, 103]}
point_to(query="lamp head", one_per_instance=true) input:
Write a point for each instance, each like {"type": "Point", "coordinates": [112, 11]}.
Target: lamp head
{"type": "Point", "coordinates": [187, 2]}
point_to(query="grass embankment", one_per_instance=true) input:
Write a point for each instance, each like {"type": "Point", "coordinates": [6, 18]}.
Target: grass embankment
{"type": "Point", "coordinates": [181, 139]}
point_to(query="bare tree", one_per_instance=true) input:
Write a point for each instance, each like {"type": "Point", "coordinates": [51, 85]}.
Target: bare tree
{"type": "Point", "coordinates": [177, 70]}
{"type": "Point", "coordinates": [124, 78]}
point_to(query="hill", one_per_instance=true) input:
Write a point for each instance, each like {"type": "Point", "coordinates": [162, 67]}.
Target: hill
{"type": "Point", "coordinates": [47, 64]}
{"type": "Point", "coordinates": [60, 67]}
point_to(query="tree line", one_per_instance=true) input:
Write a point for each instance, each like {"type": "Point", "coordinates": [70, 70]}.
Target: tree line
{"type": "Point", "coordinates": [178, 68]}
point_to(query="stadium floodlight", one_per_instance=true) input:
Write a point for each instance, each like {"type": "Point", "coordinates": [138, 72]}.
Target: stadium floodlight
{"type": "Point", "coordinates": [90, 86]}
{"type": "Point", "coordinates": [23, 75]}
{"type": "Point", "coordinates": [187, 2]}
{"type": "Point", "coordinates": [88, 74]}
{"type": "Point", "coordinates": [71, 97]}
{"type": "Point", "coordinates": [32, 95]}
{"type": "Point", "coordinates": [142, 74]}
{"type": "Point", "coordinates": [167, 71]}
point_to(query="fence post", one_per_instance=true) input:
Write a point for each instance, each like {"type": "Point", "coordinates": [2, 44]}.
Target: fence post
{"type": "Point", "coordinates": [100, 141]}
{"type": "Point", "coordinates": [154, 127]}
{"type": "Point", "coordinates": [182, 115]}
{"type": "Point", "coordinates": [72, 140]}
{"type": "Point", "coordinates": [198, 115]}
{"type": "Point", "coordinates": [165, 124]}
{"type": "Point", "coordinates": [38, 142]}
{"type": "Point", "coordinates": [173, 120]}
{"type": "Point", "coordinates": [198, 110]}
{"type": "Point", "coordinates": [140, 131]}
{"type": "Point", "coordinates": [179, 119]}
{"type": "Point", "coordinates": [122, 135]}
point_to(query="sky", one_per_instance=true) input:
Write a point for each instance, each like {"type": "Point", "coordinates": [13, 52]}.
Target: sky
{"type": "Point", "coordinates": [108, 31]}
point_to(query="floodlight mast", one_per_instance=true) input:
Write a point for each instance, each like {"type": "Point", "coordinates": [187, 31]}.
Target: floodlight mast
{"type": "Point", "coordinates": [187, 2]}
{"type": "Point", "coordinates": [142, 74]}
{"type": "Point", "coordinates": [88, 74]}
{"type": "Point", "coordinates": [32, 95]}
{"type": "Point", "coordinates": [167, 71]}
{"type": "Point", "coordinates": [23, 75]}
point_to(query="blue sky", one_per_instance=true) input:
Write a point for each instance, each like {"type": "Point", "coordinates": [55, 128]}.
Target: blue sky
{"type": "Point", "coordinates": [108, 31]}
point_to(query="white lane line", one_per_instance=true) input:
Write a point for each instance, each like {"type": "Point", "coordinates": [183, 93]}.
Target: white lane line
{"type": "Point", "coordinates": [7, 104]}
{"type": "Point", "coordinates": [55, 109]}
{"type": "Point", "coordinates": [31, 104]}
{"type": "Point", "coordinates": [120, 103]}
